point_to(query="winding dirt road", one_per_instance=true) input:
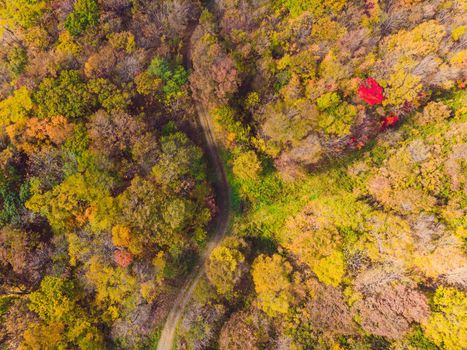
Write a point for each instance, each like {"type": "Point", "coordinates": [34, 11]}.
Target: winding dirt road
{"type": "Point", "coordinates": [220, 228]}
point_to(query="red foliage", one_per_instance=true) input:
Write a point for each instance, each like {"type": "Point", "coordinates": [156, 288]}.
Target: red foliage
{"type": "Point", "coordinates": [389, 121]}
{"type": "Point", "coordinates": [370, 91]}
{"type": "Point", "coordinates": [123, 258]}
{"type": "Point", "coordinates": [355, 143]}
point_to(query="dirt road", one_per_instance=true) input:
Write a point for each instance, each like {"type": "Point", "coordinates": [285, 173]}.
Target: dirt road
{"type": "Point", "coordinates": [220, 228]}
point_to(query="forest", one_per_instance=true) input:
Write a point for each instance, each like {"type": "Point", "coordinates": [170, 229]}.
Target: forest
{"type": "Point", "coordinates": [233, 174]}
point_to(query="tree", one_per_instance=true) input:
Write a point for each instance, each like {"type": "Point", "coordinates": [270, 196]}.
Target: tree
{"type": "Point", "coordinates": [447, 325]}
{"type": "Point", "coordinates": [17, 107]}
{"type": "Point", "coordinates": [316, 247]}
{"type": "Point", "coordinates": [245, 330]}
{"type": "Point", "coordinates": [22, 256]}
{"type": "Point", "coordinates": [247, 166]}
{"type": "Point", "coordinates": [328, 311]}
{"type": "Point", "coordinates": [172, 77]}
{"type": "Point", "coordinates": [371, 92]}
{"type": "Point", "coordinates": [389, 311]}
{"type": "Point", "coordinates": [178, 158]}
{"type": "Point", "coordinates": [116, 290]}
{"type": "Point", "coordinates": [66, 95]}
{"type": "Point", "coordinates": [337, 116]}
{"type": "Point", "coordinates": [114, 133]}
{"type": "Point", "coordinates": [21, 12]}
{"type": "Point", "coordinates": [273, 298]}
{"type": "Point", "coordinates": [123, 258]}
{"type": "Point", "coordinates": [101, 64]}
{"type": "Point", "coordinates": [85, 14]}
{"type": "Point", "coordinates": [79, 198]}
{"type": "Point", "coordinates": [225, 265]}
{"type": "Point", "coordinates": [215, 78]}
{"type": "Point", "coordinates": [63, 321]}
{"type": "Point", "coordinates": [37, 135]}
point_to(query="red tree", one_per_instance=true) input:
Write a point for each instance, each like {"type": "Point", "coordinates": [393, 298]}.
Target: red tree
{"type": "Point", "coordinates": [123, 258]}
{"type": "Point", "coordinates": [389, 121]}
{"type": "Point", "coordinates": [370, 91]}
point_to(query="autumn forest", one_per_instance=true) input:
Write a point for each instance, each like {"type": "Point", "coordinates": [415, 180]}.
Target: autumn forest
{"type": "Point", "coordinates": [233, 174]}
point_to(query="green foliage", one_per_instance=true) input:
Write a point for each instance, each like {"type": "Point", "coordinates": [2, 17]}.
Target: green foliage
{"type": "Point", "coordinates": [337, 117]}
{"type": "Point", "coordinates": [54, 300]}
{"type": "Point", "coordinates": [179, 158]}
{"type": "Point", "coordinates": [418, 340]}
{"type": "Point", "coordinates": [67, 205]}
{"type": "Point", "coordinates": [226, 117]}
{"type": "Point", "coordinates": [85, 14]}
{"type": "Point", "coordinates": [109, 96]}
{"type": "Point", "coordinates": [318, 8]}
{"type": "Point", "coordinates": [328, 101]}
{"type": "Point", "coordinates": [11, 202]}
{"type": "Point", "coordinates": [66, 95]}
{"type": "Point", "coordinates": [173, 78]}
{"type": "Point", "coordinates": [17, 60]}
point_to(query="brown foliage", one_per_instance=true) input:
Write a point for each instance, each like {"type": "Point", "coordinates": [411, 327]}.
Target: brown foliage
{"type": "Point", "coordinates": [16, 321]}
{"type": "Point", "coordinates": [329, 312]}
{"type": "Point", "coordinates": [245, 331]}
{"type": "Point", "coordinates": [100, 64]}
{"type": "Point", "coordinates": [214, 79]}
{"type": "Point", "coordinates": [22, 257]}
{"type": "Point", "coordinates": [114, 133]}
{"type": "Point", "coordinates": [390, 310]}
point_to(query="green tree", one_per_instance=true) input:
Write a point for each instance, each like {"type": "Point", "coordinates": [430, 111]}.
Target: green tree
{"type": "Point", "coordinates": [110, 96]}
{"type": "Point", "coordinates": [85, 14]}
{"type": "Point", "coordinates": [67, 95]}
{"type": "Point", "coordinates": [173, 78]}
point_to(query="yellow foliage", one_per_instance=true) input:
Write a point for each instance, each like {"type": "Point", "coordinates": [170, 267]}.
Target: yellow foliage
{"type": "Point", "coordinates": [115, 288]}
{"type": "Point", "coordinates": [16, 107]}
{"type": "Point", "coordinates": [123, 40]}
{"type": "Point", "coordinates": [120, 236]}
{"type": "Point", "coordinates": [274, 298]}
{"type": "Point", "coordinates": [67, 44]}
{"type": "Point", "coordinates": [402, 87]}
{"type": "Point", "coordinates": [457, 33]}
{"type": "Point", "coordinates": [330, 270]}
{"type": "Point", "coordinates": [447, 325]}
{"type": "Point", "coordinates": [459, 59]}
{"type": "Point", "coordinates": [247, 166]}
{"type": "Point", "coordinates": [420, 41]}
